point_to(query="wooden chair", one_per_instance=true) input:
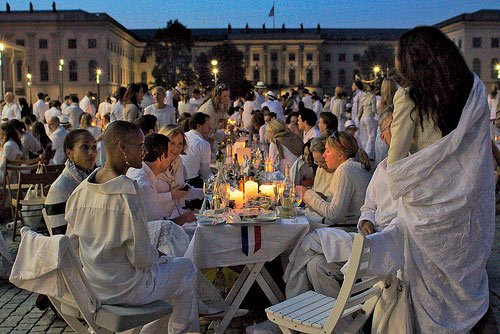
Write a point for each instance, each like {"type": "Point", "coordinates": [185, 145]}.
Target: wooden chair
{"type": "Point", "coordinates": [54, 168]}
{"type": "Point", "coordinates": [83, 310]}
{"type": "Point", "coordinates": [21, 205]}
{"type": "Point", "coordinates": [312, 312]}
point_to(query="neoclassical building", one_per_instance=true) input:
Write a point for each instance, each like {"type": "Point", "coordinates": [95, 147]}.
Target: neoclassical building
{"type": "Point", "coordinates": [320, 58]}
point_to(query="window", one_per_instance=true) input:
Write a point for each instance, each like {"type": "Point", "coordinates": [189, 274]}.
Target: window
{"type": "Point", "coordinates": [144, 59]}
{"type": "Point", "coordinates": [92, 43]}
{"type": "Point", "coordinates": [73, 71]}
{"type": "Point", "coordinates": [309, 77]}
{"type": "Point", "coordinates": [19, 71]}
{"type": "Point", "coordinates": [328, 57]}
{"type": "Point", "coordinates": [144, 77]}
{"type": "Point", "coordinates": [71, 43]}
{"type": "Point", "coordinates": [291, 57]}
{"type": "Point", "coordinates": [274, 56]}
{"type": "Point", "coordinates": [341, 79]}
{"type": "Point", "coordinates": [356, 57]}
{"type": "Point", "coordinates": [44, 70]}
{"type": "Point", "coordinates": [92, 70]}
{"type": "Point", "coordinates": [256, 57]}
{"type": "Point", "coordinates": [256, 74]}
{"type": "Point", "coordinates": [20, 42]}
{"type": "Point", "coordinates": [476, 67]}
{"type": "Point", "coordinates": [476, 42]}
{"type": "Point", "coordinates": [132, 77]}
{"type": "Point", "coordinates": [309, 56]}
{"type": "Point", "coordinates": [291, 76]}
{"type": "Point", "coordinates": [327, 77]}
{"type": "Point", "coordinates": [120, 75]}
{"type": "Point", "coordinates": [43, 43]}
{"type": "Point", "coordinates": [495, 42]}
{"type": "Point", "coordinates": [494, 72]}
{"type": "Point", "coordinates": [274, 76]}
{"type": "Point", "coordinates": [342, 57]}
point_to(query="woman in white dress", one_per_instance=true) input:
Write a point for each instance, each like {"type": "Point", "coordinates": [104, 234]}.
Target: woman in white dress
{"type": "Point", "coordinates": [11, 147]}
{"type": "Point", "coordinates": [248, 108]}
{"type": "Point", "coordinates": [337, 106]}
{"type": "Point", "coordinates": [285, 146]}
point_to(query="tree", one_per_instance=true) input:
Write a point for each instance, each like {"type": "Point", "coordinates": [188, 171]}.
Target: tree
{"type": "Point", "coordinates": [202, 69]}
{"type": "Point", "coordinates": [231, 70]}
{"type": "Point", "coordinates": [172, 48]}
{"type": "Point", "coordinates": [376, 54]}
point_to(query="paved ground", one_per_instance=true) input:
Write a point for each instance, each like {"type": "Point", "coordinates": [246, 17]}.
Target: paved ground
{"type": "Point", "coordinates": [19, 315]}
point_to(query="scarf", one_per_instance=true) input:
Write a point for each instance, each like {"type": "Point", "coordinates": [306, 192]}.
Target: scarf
{"type": "Point", "coordinates": [76, 172]}
{"type": "Point", "coordinates": [290, 140]}
{"type": "Point", "coordinates": [169, 175]}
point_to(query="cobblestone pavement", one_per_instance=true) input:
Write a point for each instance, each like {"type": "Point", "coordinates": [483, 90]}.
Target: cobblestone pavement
{"type": "Point", "coordinates": [19, 315]}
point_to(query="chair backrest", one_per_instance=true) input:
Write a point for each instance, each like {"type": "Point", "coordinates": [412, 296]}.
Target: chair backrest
{"type": "Point", "coordinates": [12, 168]}
{"type": "Point", "coordinates": [53, 168]}
{"type": "Point", "coordinates": [356, 295]}
{"type": "Point", "coordinates": [38, 178]}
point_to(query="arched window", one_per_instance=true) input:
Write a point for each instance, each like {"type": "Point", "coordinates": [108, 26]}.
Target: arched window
{"type": "Point", "coordinates": [341, 80]}
{"type": "Point", "coordinates": [476, 67]}
{"type": "Point", "coordinates": [256, 74]}
{"type": "Point", "coordinates": [92, 70]}
{"type": "Point", "coordinates": [144, 77]}
{"type": "Point", "coordinates": [309, 77]}
{"type": "Point", "coordinates": [73, 71]}
{"type": "Point", "coordinates": [327, 77]}
{"type": "Point", "coordinates": [494, 71]}
{"type": "Point", "coordinates": [19, 71]}
{"type": "Point", "coordinates": [274, 76]}
{"type": "Point", "coordinates": [44, 70]}
{"type": "Point", "coordinates": [291, 77]}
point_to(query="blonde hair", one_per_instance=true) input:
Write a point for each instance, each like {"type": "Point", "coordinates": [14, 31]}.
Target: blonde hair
{"type": "Point", "coordinates": [387, 91]}
{"type": "Point", "coordinates": [275, 126]}
{"type": "Point", "coordinates": [172, 131]}
{"type": "Point", "coordinates": [348, 145]}
{"type": "Point", "coordinates": [338, 91]}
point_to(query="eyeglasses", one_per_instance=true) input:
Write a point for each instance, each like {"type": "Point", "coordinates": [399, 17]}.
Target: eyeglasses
{"type": "Point", "coordinates": [221, 87]}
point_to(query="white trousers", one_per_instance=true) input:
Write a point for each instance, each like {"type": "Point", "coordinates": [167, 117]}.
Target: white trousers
{"type": "Point", "coordinates": [367, 134]}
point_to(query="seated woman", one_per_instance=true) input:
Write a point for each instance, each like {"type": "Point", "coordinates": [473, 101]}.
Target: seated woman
{"type": "Point", "coordinates": [11, 146]}
{"type": "Point", "coordinates": [107, 216]}
{"type": "Point", "coordinates": [285, 147]}
{"type": "Point", "coordinates": [81, 150]}
{"type": "Point", "coordinates": [348, 185]}
{"type": "Point", "coordinates": [45, 142]}
{"type": "Point", "coordinates": [324, 175]}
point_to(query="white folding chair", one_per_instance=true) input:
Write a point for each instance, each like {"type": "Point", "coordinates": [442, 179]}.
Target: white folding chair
{"type": "Point", "coordinates": [80, 303]}
{"type": "Point", "coordinates": [312, 312]}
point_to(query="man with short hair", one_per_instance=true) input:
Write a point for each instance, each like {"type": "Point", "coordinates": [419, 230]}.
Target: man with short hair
{"type": "Point", "coordinates": [55, 110]}
{"type": "Point", "coordinates": [86, 104]}
{"type": "Point", "coordinates": [307, 123]}
{"type": "Point", "coordinates": [147, 123]}
{"type": "Point", "coordinates": [307, 99]}
{"type": "Point", "coordinates": [198, 153]}
{"type": "Point", "coordinates": [11, 109]}
{"type": "Point", "coordinates": [148, 99]}
{"type": "Point", "coordinates": [197, 99]}
{"type": "Point", "coordinates": [57, 136]}
{"type": "Point", "coordinates": [31, 145]}
{"type": "Point", "coordinates": [39, 108]}
{"type": "Point", "coordinates": [66, 103]}
{"type": "Point", "coordinates": [274, 105]}
{"type": "Point", "coordinates": [104, 107]}
{"type": "Point", "coordinates": [74, 112]}
{"type": "Point", "coordinates": [164, 113]}
{"type": "Point", "coordinates": [327, 124]}
{"type": "Point", "coordinates": [259, 93]}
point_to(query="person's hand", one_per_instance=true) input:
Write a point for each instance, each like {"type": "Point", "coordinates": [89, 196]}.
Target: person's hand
{"type": "Point", "coordinates": [300, 190]}
{"type": "Point", "coordinates": [178, 194]}
{"type": "Point", "coordinates": [186, 217]}
{"type": "Point", "coordinates": [366, 227]}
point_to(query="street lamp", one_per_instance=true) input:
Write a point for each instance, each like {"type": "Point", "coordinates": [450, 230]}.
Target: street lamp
{"type": "Point", "coordinates": [29, 77]}
{"type": "Point", "coordinates": [497, 68]}
{"type": "Point", "coordinates": [214, 62]}
{"type": "Point", "coordinates": [376, 69]}
{"type": "Point", "coordinates": [61, 88]}
{"type": "Point", "coordinates": [2, 93]}
{"type": "Point", "coordinates": [98, 73]}
{"type": "Point", "coordinates": [215, 70]}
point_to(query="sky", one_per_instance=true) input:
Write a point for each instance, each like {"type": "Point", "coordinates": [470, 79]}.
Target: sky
{"type": "Point", "coordinates": [142, 14]}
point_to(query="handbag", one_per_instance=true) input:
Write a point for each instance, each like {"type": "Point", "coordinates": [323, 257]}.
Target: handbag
{"type": "Point", "coordinates": [33, 217]}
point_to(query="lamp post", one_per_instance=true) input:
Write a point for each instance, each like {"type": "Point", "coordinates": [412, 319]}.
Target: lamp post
{"type": "Point", "coordinates": [215, 70]}
{"type": "Point", "coordinates": [98, 73]}
{"type": "Point", "coordinates": [61, 87]}
{"type": "Point", "coordinates": [2, 93]}
{"type": "Point", "coordinates": [497, 68]}
{"type": "Point", "coordinates": [376, 70]}
{"type": "Point", "coordinates": [29, 76]}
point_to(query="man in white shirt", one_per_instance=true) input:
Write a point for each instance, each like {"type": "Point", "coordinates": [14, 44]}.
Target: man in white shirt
{"type": "Point", "coordinates": [67, 103]}
{"type": "Point", "coordinates": [197, 99]}
{"type": "Point", "coordinates": [31, 146]}
{"type": "Point", "coordinates": [55, 111]}
{"type": "Point", "coordinates": [57, 136]}
{"type": "Point", "coordinates": [74, 112]}
{"type": "Point", "coordinates": [148, 99]}
{"type": "Point", "coordinates": [274, 106]}
{"type": "Point", "coordinates": [104, 107]}
{"type": "Point", "coordinates": [39, 108]}
{"type": "Point", "coordinates": [86, 104]}
{"type": "Point", "coordinates": [164, 113]}
{"type": "Point", "coordinates": [357, 93]}
{"type": "Point", "coordinates": [159, 206]}
{"type": "Point", "coordinates": [197, 157]}
{"type": "Point", "coordinates": [11, 109]}
{"type": "Point", "coordinates": [307, 123]}
{"type": "Point", "coordinates": [259, 93]}
{"type": "Point", "coordinates": [307, 99]}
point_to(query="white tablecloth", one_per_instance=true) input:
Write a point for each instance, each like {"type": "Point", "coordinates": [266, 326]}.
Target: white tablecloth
{"type": "Point", "coordinates": [230, 245]}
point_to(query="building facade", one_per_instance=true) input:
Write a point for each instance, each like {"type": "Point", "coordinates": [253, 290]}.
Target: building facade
{"type": "Point", "coordinates": [35, 42]}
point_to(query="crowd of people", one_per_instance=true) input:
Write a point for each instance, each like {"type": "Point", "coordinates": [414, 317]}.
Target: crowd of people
{"type": "Point", "coordinates": [408, 163]}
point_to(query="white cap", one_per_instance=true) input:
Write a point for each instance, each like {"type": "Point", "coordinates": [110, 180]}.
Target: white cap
{"type": "Point", "coordinates": [271, 95]}
{"type": "Point", "coordinates": [350, 123]}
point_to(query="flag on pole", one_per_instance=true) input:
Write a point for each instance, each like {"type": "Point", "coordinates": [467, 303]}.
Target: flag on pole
{"type": "Point", "coordinates": [271, 12]}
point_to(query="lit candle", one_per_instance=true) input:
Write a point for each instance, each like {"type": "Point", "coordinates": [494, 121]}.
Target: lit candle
{"type": "Point", "coordinates": [267, 190]}
{"type": "Point", "coordinates": [251, 189]}
{"type": "Point", "coordinates": [269, 166]}
{"type": "Point", "coordinates": [237, 197]}
{"type": "Point", "coordinates": [242, 153]}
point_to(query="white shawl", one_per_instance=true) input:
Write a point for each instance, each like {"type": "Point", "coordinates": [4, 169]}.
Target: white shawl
{"type": "Point", "coordinates": [445, 199]}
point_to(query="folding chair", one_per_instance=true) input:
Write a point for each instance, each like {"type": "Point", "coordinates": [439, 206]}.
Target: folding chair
{"type": "Point", "coordinates": [82, 309]}
{"type": "Point", "coordinates": [53, 168]}
{"type": "Point", "coordinates": [12, 168]}
{"type": "Point", "coordinates": [312, 312]}
{"type": "Point", "coordinates": [21, 205]}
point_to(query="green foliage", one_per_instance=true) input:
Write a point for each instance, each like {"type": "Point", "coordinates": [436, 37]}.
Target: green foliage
{"type": "Point", "coordinates": [202, 69]}
{"type": "Point", "coordinates": [376, 54]}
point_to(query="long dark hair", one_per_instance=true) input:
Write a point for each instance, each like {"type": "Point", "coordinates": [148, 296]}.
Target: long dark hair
{"type": "Point", "coordinates": [431, 65]}
{"type": "Point", "coordinates": [38, 130]}
{"type": "Point", "coordinates": [130, 96]}
{"type": "Point", "coordinates": [9, 133]}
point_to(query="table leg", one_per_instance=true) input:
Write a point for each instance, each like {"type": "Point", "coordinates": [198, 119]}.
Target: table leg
{"type": "Point", "coordinates": [272, 285]}
{"type": "Point", "coordinates": [239, 282]}
{"type": "Point", "coordinates": [238, 299]}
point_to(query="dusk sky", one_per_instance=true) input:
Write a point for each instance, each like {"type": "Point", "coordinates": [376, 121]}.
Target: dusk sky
{"type": "Point", "coordinates": [218, 13]}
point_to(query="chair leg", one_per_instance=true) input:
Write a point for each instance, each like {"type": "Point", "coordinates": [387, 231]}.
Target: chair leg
{"type": "Point", "coordinates": [14, 223]}
{"type": "Point", "coordinates": [287, 330]}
